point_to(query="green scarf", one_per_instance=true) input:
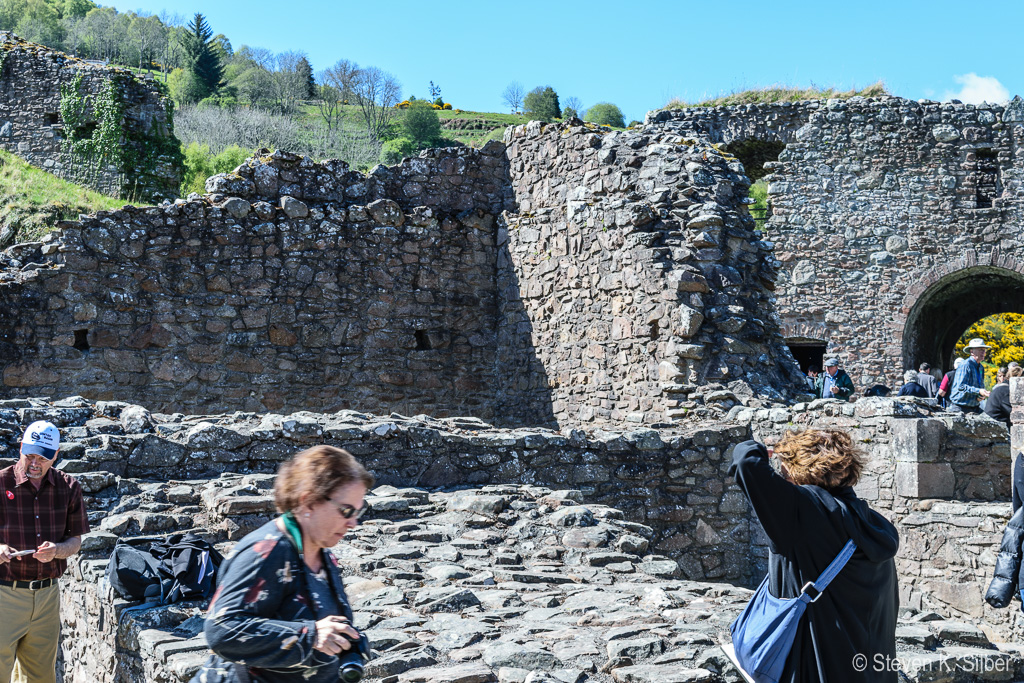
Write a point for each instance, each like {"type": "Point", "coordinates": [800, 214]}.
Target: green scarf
{"type": "Point", "coordinates": [291, 525]}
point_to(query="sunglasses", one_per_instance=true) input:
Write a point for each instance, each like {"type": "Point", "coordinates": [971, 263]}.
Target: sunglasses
{"type": "Point", "coordinates": [348, 512]}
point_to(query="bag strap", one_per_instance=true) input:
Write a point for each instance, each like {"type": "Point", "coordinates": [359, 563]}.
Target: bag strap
{"type": "Point", "coordinates": [830, 573]}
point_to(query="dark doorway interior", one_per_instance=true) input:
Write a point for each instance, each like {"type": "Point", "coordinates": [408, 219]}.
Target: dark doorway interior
{"type": "Point", "coordinates": [807, 354]}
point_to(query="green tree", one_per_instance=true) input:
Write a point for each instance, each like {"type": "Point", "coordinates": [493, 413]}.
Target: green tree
{"type": "Point", "coordinates": [421, 124]}
{"type": "Point", "coordinates": [185, 87]}
{"type": "Point", "coordinates": [605, 114]}
{"type": "Point", "coordinates": [305, 74]}
{"type": "Point", "coordinates": [39, 23]}
{"type": "Point", "coordinates": [202, 57]}
{"type": "Point", "coordinates": [396, 149]}
{"type": "Point", "coordinates": [542, 103]}
{"type": "Point", "coordinates": [200, 164]}
{"type": "Point", "coordinates": [76, 9]}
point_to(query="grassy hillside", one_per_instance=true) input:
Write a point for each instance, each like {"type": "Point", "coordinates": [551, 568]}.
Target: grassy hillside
{"type": "Point", "coordinates": [779, 93]}
{"type": "Point", "coordinates": [32, 201]}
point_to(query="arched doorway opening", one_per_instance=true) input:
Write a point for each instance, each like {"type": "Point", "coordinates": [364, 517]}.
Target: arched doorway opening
{"type": "Point", "coordinates": [951, 305]}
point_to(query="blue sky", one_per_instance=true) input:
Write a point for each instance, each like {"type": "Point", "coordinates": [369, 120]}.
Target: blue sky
{"type": "Point", "coordinates": [639, 55]}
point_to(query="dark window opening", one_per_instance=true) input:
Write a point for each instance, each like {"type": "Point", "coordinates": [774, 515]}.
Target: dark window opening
{"type": "Point", "coordinates": [52, 119]}
{"type": "Point", "coordinates": [987, 188]}
{"type": "Point", "coordinates": [808, 354]}
{"type": "Point", "coordinates": [81, 340]}
{"type": "Point", "coordinates": [754, 154]}
{"type": "Point", "coordinates": [422, 341]}
{"type": "Point", "coordinates": [85, 132]}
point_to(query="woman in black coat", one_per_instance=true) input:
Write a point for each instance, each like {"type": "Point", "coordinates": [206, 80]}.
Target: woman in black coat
{"type": "Point", "coordinates": [809, 513]}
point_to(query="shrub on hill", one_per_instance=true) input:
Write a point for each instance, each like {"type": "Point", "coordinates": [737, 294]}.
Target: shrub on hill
{"type": "Point", "coordinates": [200, 164]}
{"type": "Point", "coordinates": [396, 149]}
{"type": "Point", "coordinates": [542, 104]}
{"type": "Point", "coordinates": [605, 114]}
{"type": "Point", "coordinates": [421, 125]}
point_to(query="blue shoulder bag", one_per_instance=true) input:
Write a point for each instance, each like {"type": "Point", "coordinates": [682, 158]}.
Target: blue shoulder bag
{"type": "Point", "coordinates": [763, 633]}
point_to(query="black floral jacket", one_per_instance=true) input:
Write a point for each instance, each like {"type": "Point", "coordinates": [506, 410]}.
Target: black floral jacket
{"type": "Point", "coordinates": [262, 618]}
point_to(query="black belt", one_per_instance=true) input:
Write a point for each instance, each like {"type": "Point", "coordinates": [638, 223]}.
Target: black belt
{"type": "Point", "coordinates": [31, 585]}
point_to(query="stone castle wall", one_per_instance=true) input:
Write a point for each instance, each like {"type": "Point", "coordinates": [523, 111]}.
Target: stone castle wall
{"type": "Point", "coordinates": [639, 274]}
{"type": "Point", "coordinates": [567, 277]}
{"type": "Point", "coordinates": [896, 223]}
{"type": "Point", "coordinates": [31, 126]}
{"type": "Point", "coordinates": [329, 297]}
{"type": "Point", "coordinates": [673, 482]}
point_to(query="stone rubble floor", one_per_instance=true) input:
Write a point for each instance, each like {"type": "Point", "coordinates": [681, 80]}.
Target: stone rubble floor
{"type": "Point", "coordinates": [515, 584]}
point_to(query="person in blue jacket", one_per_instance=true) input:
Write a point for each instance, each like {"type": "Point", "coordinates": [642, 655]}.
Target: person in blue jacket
{"type": "Point", "coordinates": [809, 512]}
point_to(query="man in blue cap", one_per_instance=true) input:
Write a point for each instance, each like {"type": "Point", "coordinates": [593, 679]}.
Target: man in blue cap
{"type": "Point", "coordinates": [42, 519]}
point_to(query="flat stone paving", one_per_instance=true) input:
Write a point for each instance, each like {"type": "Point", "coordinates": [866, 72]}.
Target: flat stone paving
{"type": "Point", "coordinates": [517, 584]}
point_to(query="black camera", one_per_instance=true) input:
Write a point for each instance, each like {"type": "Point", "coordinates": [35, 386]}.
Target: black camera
{"type": "Point", "coordinates": [351, 661]}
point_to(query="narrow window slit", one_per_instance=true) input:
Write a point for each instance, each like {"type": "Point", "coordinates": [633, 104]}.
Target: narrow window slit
{"type": "Point", "coordinates": [81, 340]}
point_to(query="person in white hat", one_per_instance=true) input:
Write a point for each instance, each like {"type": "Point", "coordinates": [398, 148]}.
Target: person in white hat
{"type": "Point", "coordinates": [969, 380]}
{"type": "Point", "coordinates": [42, 519]}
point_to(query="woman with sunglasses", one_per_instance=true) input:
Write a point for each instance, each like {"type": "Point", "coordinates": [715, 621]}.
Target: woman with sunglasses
{"type": "Point", "coordinates": [280, 612]}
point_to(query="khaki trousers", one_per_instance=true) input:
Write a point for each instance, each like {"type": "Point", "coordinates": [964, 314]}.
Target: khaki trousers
{"type": "Point", "coordinates": [29, 630]}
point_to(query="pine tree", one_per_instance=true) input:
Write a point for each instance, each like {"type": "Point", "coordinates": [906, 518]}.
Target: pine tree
{"type": "Point", "coordinates": [203, 57]}
{"type": "Point", "coordinates": [305, 70]}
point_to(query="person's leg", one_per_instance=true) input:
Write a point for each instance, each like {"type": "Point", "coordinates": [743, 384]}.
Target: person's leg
{"type": "Point", "coordinates": [15, 616]}
{"type": "Point", "coordinates": [37, 651]}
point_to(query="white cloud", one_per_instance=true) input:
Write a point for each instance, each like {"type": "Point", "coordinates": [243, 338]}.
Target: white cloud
{"type": "Point", "coordinates": [976, 89]}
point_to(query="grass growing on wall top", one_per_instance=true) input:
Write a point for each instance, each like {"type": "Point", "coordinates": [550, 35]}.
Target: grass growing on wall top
{"type": "Point", "coordinates": [781, 93]}
{"type": "Point", "coordinates": [34, 201]}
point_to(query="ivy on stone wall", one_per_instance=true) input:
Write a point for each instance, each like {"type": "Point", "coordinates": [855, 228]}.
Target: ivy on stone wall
{"type": "Point", "coordinates": [93, 128]}
{"type": "Point", "coordinates": [96, 136]}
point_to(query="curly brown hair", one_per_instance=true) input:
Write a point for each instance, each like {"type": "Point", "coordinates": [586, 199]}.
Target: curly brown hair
{"type": "Point", "coordinates": [316, 473]}
{"type": "Point", "coordinates": [820, 457]}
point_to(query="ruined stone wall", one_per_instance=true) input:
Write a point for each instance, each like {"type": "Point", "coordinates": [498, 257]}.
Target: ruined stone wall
{"type": "Point", "coordinates": [31, 77]}
{"type": "Point", "coordinates": [573, 276]}
{"type": "Point", "coordinates": [328, 297]}
{"type": "Point", "coordinates": [640, 278]}
{"type": "Point", "coordinates": [770, 122]}
{"type": "Point", "coordinates": [897, 223]}
{"type": "Point", "coordinates": [672, 482]}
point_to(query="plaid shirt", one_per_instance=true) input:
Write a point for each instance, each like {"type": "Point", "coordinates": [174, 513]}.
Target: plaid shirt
{"type": "Point", "coordinates": [28, 516]}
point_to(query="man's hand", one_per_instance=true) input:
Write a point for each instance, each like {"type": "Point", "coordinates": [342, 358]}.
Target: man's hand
{"type": "Point", "coordinates": [5, 553]}
{"type": "Point", "coordinates": [45, 552]}
{"type": "Point", "coordinates": [835, 389]}
{"type": "Point", "coordinates": [983, 393]}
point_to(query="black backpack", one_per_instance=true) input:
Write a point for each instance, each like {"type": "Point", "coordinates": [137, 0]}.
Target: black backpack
{"type": "Point", "coordinates": [179, 567]}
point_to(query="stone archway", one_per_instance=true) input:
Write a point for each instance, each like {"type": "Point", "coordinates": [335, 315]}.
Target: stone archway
{"type": "Point", "coordinates": [950, 300]}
